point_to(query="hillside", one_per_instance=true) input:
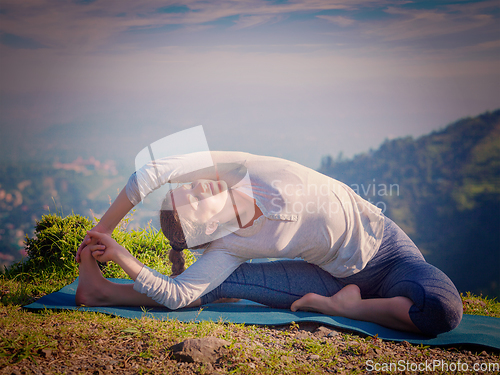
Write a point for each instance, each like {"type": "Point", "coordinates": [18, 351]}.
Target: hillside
{"type": "Point", "coordinates": [443, 189]}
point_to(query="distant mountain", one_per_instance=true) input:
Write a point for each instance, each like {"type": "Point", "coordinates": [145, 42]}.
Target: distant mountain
{"type": "Point", "coordinates": [443, 189]}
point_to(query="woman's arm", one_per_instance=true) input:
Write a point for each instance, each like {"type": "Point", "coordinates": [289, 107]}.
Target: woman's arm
{"type": "Point", "coordinates": [178, 169]}
{"type": "Point", "coordinates": [118, 209]}
{"type": "Point", "coordinates": [208, 272]}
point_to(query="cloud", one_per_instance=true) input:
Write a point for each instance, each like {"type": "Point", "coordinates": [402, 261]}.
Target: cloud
{"type": "Point", "coordinates": [91, 24]}
{"type": "Point", "coordinates": [252, 21]}
{"type": "Point", "coordinates": [484, 46]}
{"type": "Point", "coordinates": [88, 26]}
{"type": "Point", "coordinates": [174, 9]}
{"type": "Point", "coordinates": [412, 24]}
{"type": "Point", "coordinates": [339, 20]}
{"type": "Point", "coordinates": [19, 42]}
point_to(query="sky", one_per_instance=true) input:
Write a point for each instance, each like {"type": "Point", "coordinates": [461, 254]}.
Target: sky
{"type": "Point", "coordinates": [293, 79]}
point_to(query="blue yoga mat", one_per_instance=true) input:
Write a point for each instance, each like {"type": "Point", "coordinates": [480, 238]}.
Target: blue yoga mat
{"type": "Point", "coordinates": [473, 330]}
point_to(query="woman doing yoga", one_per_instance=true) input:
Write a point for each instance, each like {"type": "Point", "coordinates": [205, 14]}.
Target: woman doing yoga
{"type": "Point", "coordinates": [353, 261]}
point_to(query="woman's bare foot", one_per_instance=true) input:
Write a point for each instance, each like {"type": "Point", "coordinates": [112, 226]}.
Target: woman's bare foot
{"type": "Point", "coordinates": [389, 312]}
{"type": "Point", "coordinates": [340, 304]}
{"type": "Point", "coordinates": [91, 283]}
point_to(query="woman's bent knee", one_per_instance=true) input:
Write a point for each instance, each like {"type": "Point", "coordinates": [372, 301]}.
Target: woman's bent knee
{"type": "Point", "coordinates": [440, 313]}
{"type": "Point", "coordinates": [437, 305]}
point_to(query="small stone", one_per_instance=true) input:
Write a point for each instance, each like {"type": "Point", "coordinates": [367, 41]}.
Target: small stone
{"type": "Point", "coordinates": [302, 336]}
{"type": "Point", "coordinates": [198, 350]}
{"type": "Point", "coordinates": [313, 357]}
{"type": "Point", "coordinates": [322, 332]}
{"type": "Point", "coordinates": [47, 353]}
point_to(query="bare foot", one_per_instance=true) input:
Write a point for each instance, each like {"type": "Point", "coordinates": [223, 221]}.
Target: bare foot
{"type": "Point", "coordinates": [91, 283]}
{"type": "Point", "coordinates": [340, 304]}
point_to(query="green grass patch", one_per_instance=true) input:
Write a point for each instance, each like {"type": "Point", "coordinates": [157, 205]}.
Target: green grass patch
{"type": "Point", "coordinates": [479, 305]}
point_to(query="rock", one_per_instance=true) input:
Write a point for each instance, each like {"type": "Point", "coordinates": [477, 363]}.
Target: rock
{"type": "Point", "coordinates": [313, 357]}
{"type": "Point", "coordinates": [322, 332]}
{"type": "Point", "coordinates": [406, 344]}
{"type": "Point", "coordinates": [47, 353]}
{"type": "Point", "coordinates": [198, 350]}
{"type": "Point", "coordinates": [302, 336]}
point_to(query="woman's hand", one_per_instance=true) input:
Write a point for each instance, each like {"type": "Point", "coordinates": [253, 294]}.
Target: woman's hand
{"type": "Point", "coordinates": [110, 219]}
{"type": "Point", "coordinates": [87, 240]}
{"type": "Point", "coordinates": [104, 249]}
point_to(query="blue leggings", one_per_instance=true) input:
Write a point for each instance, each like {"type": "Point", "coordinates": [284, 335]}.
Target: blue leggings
{"type": "Point", "coordinates": [398, 269]}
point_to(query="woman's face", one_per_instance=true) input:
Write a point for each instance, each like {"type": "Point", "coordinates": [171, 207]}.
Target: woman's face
{"type": "Point", "coordinates": [202, 200]}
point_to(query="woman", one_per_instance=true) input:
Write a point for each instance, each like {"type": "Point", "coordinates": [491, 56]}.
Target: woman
{"type": "Point", "coordinates": [355, 262]}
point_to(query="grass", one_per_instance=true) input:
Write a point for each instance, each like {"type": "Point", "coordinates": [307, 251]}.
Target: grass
{"type": "Point", "coordinates": [57, 342]}
{"type": "Point", "coordinates": [479, 305]}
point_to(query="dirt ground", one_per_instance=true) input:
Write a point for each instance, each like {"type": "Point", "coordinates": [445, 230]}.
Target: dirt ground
{"type": "Point", "coordinates": [297, 349]}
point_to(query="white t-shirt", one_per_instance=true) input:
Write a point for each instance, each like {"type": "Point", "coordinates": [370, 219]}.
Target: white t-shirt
{"type": "Point", "coordinates": [305, 215]}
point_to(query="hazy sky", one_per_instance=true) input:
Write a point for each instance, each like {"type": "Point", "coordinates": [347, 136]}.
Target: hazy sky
{"type": "Point", "coordinates": [296, 79]}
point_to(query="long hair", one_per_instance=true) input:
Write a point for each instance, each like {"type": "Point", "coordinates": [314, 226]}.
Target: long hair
{"type": "Point", "coordinates": [175, 230]}
{"type": "Point", "coordinates": [172, 229]}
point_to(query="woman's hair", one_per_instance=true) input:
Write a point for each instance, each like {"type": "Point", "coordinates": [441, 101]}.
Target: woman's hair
{"type": "Point", "coordinates": [172, 229]}
{"type": "Point", "coordinates": [176, 229]}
